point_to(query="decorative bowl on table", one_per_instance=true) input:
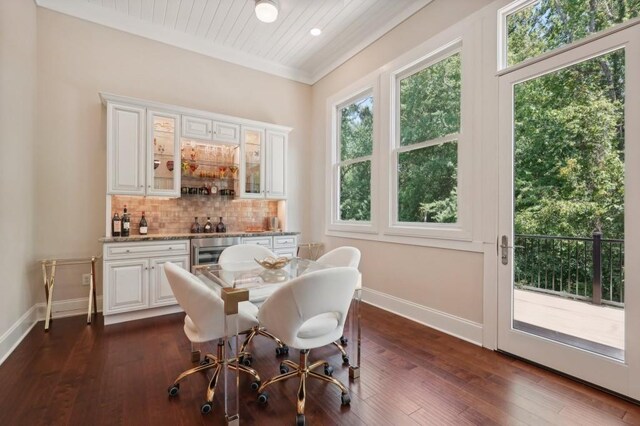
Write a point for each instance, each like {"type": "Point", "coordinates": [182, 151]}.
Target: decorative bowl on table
{"type": "Point", "coordinates": [272, 262]}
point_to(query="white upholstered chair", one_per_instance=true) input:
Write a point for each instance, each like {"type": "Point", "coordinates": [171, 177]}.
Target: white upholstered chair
{"type": "Point", "coordinates": [204, 322]}
{"type": "Point", "coordinates": [309, 312]}
{"type": "Point", "coordinates": [247, 253]}
{"type": "Point", "coordinates": [342, 256]}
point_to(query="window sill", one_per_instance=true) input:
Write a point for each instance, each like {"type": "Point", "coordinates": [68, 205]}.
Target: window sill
{"type": "Point", "coordinates": [449, 244]}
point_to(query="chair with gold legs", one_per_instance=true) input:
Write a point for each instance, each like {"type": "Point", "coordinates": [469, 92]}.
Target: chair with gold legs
{"type": "Point", "coordinates": [309, 312]}
{"type": "Point", "coordinates": [244, 253]}
{"type": "Point", "coordinates": [342, 256]}
{"type": "Point", "coordinates": [204, 322]}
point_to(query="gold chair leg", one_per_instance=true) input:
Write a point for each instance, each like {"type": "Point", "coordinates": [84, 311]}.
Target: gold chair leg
{"type": "Point", "coordinates": [246, 369]}
{"type": "Point", "coordinates": [213, 382]}
{"type": "Point", "coordinates": [301, 394]}
{"type": "Point", "coordinates": [193, 370]}
{"type": "Point", "coordinates": [278, 378]}
{"type": "Point", "coordinates": [290, 364]}
{"type": "Point", "coordinates": [341, 349]}
{"type": "Point", "coordinates": [249, 338]}
{"type": "Point", "coordinates": [265, 333]}
{"type": "Point", "coordinates": [328, 379]}
{"type": "Point", "coordinates": [317, 364]}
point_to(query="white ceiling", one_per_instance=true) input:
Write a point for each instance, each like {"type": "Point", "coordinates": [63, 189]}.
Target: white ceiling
{"type": "Point", "coordinates": [229, 30]}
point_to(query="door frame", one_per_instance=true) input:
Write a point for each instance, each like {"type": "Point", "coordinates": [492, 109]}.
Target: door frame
{"type": "Point", "coordinates": [621, 377]}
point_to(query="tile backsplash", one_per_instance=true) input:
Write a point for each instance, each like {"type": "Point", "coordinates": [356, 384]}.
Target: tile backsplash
{"type": "Point", "coordinates": [175, 215]}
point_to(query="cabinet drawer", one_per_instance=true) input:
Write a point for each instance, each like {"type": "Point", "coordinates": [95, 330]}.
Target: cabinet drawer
{"type": "Point", "coordinates": [226, 132]}
{"type": "Point", "coordinates": [285, 241]}
{"type": "Point", "coordinates": [196, 127]}
{"type": "Point", "coordinates": [133, 250]}
{"type": "Point", "coordinates": [286, 252]}
{"type": "Point", "coordinates": [260, 241]}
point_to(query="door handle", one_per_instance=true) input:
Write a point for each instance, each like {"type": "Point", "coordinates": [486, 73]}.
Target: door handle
{"type": "Point", "coordinates": [504, 246]}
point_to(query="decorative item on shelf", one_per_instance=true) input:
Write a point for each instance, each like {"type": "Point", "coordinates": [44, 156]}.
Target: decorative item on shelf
{"type": "Point", "coordinates": [143, 225]}
{"type": "Point", "coordinates": [213, 189]}
{"type": "Point", "coordinates": [208, 227]}
{"type": "Point", "coordinates": [185, 167]}
{"type": "Point", "coordinates": [272, 262]}
{"type": "Point", "coordinates": [116, 225]}
{"type": "Point", "coordinates": [223, 170]}
{"type": "Point", "coordinates": [184, 190]}
{"type": "Point", "coordinates": [126, 223]}
{"type": "Point", "coordinates": [170, 165]}
{"type": "Point", "coordinates": [234, 171]}
{"type": "Point", "coordinates": [195, 226]}
{"type": "Point", "coordinates": [221, 227]}
{"type": "Point", "coordinates": [156, 163]}
{"type": "Point", "coordinates": [193, 166]}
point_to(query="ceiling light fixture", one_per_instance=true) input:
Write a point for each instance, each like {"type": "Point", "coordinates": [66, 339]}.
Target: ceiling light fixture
{"type": "Point", "coordinates": [266, 10]}
{"type": "Point", "coordinates": [315, 32]}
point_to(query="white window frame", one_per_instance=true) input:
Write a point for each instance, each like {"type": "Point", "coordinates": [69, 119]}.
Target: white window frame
{"type": "Point", "coordinates": [368, 86]}
{"type": "Point", "coordinates": [503, 13]}
{"type": "Point", "coordinates": [461, 230]}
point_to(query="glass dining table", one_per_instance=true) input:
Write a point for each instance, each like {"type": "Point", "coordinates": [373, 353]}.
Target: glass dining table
{"type": "Point", "coordinates": [236, 282]}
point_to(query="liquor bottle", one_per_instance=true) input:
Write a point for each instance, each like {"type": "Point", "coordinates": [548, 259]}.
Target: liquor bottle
{"type": "Point", "coordinates": [116, 225]}
{"type": "Point", "coordinates": [143, 225]}
{"type": "Point", "coordinates": [208, 227]}
{"type": "Point", "coordinates": [195, 227]}
{"type": "Point", "coordinates": [220, 227]}
{"type": "Point", "coordinates": [126, 222]}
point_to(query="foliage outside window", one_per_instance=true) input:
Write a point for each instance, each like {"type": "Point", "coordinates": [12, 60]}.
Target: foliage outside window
{"type": "Point", "coordinates": [355, 144]}
{"type": "Point", "coordinates": [427, 155]}
{"type": "Point", "coordinates": [548, 24]}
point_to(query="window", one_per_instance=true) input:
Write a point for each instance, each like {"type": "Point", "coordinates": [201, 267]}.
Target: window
{"type": "Point", "coordinates": [532, 28]}
{"type": "Point", "coordinates": [353, 166]}
{"type": "Point", "coordinates": [428, 122]}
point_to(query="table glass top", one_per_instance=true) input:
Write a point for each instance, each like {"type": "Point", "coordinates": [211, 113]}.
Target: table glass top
{"type": "Point", "coordinates": [249, 274]}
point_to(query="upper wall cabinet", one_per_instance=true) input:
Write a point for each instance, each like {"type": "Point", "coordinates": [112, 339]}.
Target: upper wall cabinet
{"type": "Point", "coordinates": [163, 154]}
{"type": "Point", "coordinates": [276, 168]}
{"type": "Point", "coordinates": [210, 130]}
{"type": "Point", "coordinates": [264, 163]}
{"type": "Point", "coordinates": [125, 150]}
{"type": "Point", "coordinates": [143, 152]}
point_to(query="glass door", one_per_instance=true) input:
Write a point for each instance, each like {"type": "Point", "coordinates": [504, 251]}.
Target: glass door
{"type": "Point", "coordinates": [252, 169]}
{"type": "Point", "coordinates": [569, 188]}
{"type": "Point", "coordinates": [163, 164]}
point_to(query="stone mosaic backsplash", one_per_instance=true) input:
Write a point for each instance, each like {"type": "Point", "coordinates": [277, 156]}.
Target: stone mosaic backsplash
{"type": "Point", "coordinates": [175, 215]}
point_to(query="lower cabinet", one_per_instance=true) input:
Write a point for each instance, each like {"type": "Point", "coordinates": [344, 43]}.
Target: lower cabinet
{"type": "Point", "coordinates": [281, 245]}
{"type": "Point", "coordinates": [134, 278]}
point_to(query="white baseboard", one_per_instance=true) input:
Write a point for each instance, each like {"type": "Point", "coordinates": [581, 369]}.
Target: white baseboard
{"type": "Point", "coordinates": [450, 324]}
{"type": "Point", "coordinates": [14, 335]}
{"type": "Point", "coordinates": [60, 309]}
{"type": "Point", "coordinates": [141, 314]}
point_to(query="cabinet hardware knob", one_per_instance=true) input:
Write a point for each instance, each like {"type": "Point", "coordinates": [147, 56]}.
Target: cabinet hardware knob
{"type": "Point", "coordinates": [146, 269]}
{"type": "Point", "coordinates": [170, 248]}
{"type": "Point", "coordinates": [153, 267]}
{"type": "Point", "coordinates": [128, 251]}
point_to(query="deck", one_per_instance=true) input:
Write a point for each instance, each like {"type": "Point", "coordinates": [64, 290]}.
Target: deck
{"type": "Point", "coordinates": [571, 321]}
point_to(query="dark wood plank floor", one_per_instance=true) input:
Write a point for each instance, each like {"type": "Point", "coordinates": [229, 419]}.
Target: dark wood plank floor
{"type": "Point", "coordinates": [91, 375]}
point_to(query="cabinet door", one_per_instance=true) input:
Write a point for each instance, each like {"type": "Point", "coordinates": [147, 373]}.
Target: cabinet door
{"type": "Point", "coordinates": [226, 132]}
{"type": "Point", "coordinates": [252, 163]}
{"type": "Point", "coordinates": [125, 150]}
{"type": "Point", "coordinates": [163, 154]}
{"type": "Point", "coordinates": [276, 165]}
{"type": "Point", "coordinates": [126, 286]}
{"type": "Point", "coordinates": [196, 127]}
{"type": "Point", "coordinates": [160, 290]}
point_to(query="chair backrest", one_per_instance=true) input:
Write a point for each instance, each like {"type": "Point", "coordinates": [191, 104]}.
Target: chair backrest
{"type": "Point", "coordinates": [203, 305]}
{"type": "Point", "coordinates": [327, 292]}
{"type": "Point", "coordinates": [244, 252]}
{"type": "Point", "coordinates": [341, 256]}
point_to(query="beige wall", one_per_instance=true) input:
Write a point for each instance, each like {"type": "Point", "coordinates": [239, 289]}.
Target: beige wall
{"type": "Point", "coordinates": [78, 59]}
{"type": "Point", "coordinates": [18, 60]}
{"type": "Point", "coordinates": [445, 280]}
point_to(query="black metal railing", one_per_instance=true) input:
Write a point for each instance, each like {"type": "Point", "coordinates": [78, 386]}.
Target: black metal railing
{"type": "Point", "coordinates": [581, 268]}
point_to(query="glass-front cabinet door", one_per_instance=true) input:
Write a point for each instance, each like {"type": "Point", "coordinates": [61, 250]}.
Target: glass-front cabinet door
{"type": "Point", "coordinates": [163, 154]}
{"type": "Point", "coordinates": [252, 170]}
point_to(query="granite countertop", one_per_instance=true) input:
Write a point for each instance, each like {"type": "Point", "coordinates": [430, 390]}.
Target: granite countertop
{"type": "Point", "coordinates": [187, 235]}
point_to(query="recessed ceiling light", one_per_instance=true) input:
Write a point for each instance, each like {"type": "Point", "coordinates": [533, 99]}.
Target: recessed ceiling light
{"type": "Point", "coordinates": [315, 31]}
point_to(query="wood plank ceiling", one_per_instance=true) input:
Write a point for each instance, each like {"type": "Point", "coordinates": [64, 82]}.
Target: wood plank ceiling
{"type": "Point", "coordinates": [229, 29]}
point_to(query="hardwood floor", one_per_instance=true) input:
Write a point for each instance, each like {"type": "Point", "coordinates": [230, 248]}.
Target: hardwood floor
{"type": "Point", "coordinates": [91, 375]}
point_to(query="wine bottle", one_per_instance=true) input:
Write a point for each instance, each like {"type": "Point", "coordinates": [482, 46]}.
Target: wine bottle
{"type": "Point", "coordinates": [195, 227]}
{"type": "Point", "coordinates": [116, 225]}
{"type": "Point", "coordinates": [220, 227]}
{"type": "Point", "coordinates": [143, 225]}
{"type": "Point", "coordinates": [208, 227]}
{"type": "Point", "coordinates": [126, 222]}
